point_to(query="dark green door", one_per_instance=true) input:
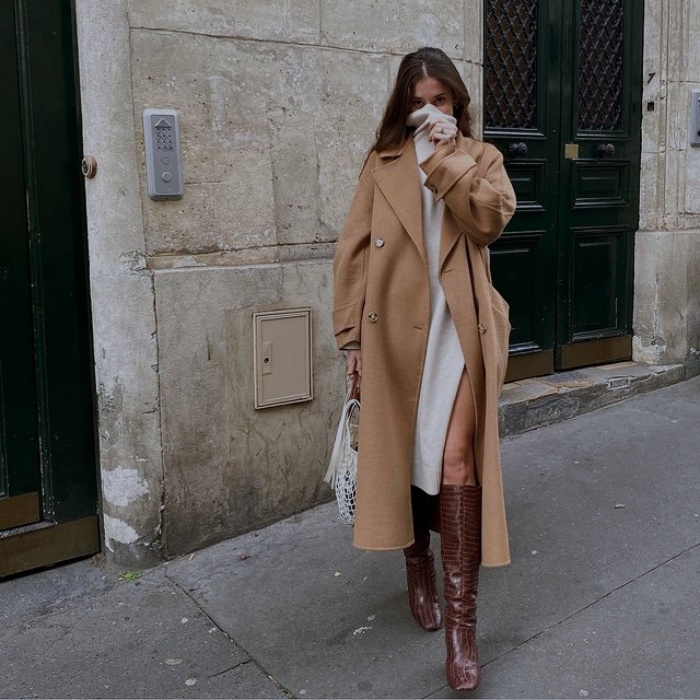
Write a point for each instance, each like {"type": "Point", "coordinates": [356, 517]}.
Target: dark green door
{"type": "Point", "coordinates": [48, 491]}
{"type": "Point", "coordinates": [563, 103]}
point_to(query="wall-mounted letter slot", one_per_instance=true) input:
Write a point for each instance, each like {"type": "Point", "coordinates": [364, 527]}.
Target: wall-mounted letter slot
{"type": "Point", "coordinates": [161, 129]}
{"type": "Point", "coordinates": [694, 118]}
{"type": "Point", "coordinates": [282, 349]}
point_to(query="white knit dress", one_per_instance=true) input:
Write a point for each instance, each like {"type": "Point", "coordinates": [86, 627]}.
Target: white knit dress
{"type": "Point", "coordinates": [444, 361]}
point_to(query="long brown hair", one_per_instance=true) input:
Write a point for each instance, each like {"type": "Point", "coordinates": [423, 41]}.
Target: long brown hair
{"type": "Point", "coordinates": [426, 62]}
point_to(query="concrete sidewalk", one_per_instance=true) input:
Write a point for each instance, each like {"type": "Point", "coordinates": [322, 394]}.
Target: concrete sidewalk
{"type": "Point", "coordinates": [602, 599]}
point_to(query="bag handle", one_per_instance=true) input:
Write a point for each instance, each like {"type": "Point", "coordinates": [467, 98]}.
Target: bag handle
{"type": "Point", "coordinates": [353, 386]}
{"type": "Point", "coordinates": [351, 402]}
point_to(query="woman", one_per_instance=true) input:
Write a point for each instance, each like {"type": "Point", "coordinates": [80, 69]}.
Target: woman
{"type": "Point", "coordinates": [428, 335]}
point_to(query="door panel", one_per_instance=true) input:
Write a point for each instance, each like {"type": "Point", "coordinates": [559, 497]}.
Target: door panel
{"type": "Point", "coordinates": [528, 181]}
{"type": "Point", "coordinates": [521, 117]}
{"type": "Point", "coordinates": [48, 475]}
{"type": "Point", "coordinates": [562, 103]}
{"type": "Point", "coordinates": [601, 95]}
{"type": "Point", "coordinates": [19, 427]}
{"type": "Point", "coordinates": [595, 286]}
{"type": "Point", "coordinates": [600, 185]}
{"type": "Point", "coordinates": [58, 231]}
{"type": "Point", "coordinates": [521, 262]}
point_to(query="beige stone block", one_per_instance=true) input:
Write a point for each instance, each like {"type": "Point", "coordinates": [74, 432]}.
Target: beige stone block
{"type": "Point", "coordinates": [671, 201]}
{"type": "Point", "coordinates": [692, 172]}
{"type": "Point", "coordinates": [692, 181]}
{"type": "Point", "coordinates": [645, 264]}
{"type": "Point", "coordinates": [654, 77]}
{"type": "Point", "coordinates": [692, 70]}
{"type": "Point", "coordinates": [319, 142]}
{"type": "Point", "coordinates": [694, 293]}
{"type": "Point", "coordinates": [295, 177]}
{"type": "Point", "coordinates": [648, 344]}
{"type": "Point", "coordinates": [682, 186]}
{"type": "Point", "coordinates": [351, 96]}
{"type": "Point", "coordinates": [691, 222]}
{"type": "Point", "coordinates": [222, 93]}
{"type": "Point", "coordinates": [653, 122]}
{"type": "Point", "coordinates": [473, 31]}
{"type": "Point", "coordinates": [677, 28]}
{"type": "Point", "coordinates": [666, 319]}
{"type": "Point", "coordinates": [678, 103]}
{"type": "Point", "coordinates": [280, 20]}
{"type": "Point", "coordinates": [223, 90]}
{"type": "Point", "coordinates": [672, 294]}
{"type": "Point", "coordinates": [230, 468]}
{"type": "Point", "coordinates": [653, 40]}
{"type": "Point", "coordinates": [211, 217]}
{"type": "Point", "coordinates": [393, 26]}
{"type": "Point", "coordinates": [394, 63]}
{"type": "Point", "coordinates": [651, 127]}
{"type": "Point", "coordinates": [281, 130]}
{"type": "Point", "coordinates": [649, 205]}
{"type": "Point", "coordinates": [472, 74]}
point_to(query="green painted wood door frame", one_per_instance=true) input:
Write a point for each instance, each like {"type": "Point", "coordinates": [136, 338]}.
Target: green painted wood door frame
{"type": "Point", "coordinates": [46, 368]}
{"type": "Point", "coordinates": [565, 262]}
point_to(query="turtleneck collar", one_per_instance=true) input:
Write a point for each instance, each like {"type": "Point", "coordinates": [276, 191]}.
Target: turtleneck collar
{"type": "Point", "coordinates": [422, 118]}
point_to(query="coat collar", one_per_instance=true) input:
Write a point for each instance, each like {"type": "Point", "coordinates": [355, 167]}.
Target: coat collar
{"type": "Point", "coordinates": [397, 178]}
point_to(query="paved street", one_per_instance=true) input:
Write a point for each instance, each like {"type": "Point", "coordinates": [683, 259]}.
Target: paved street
{"type": "Point", "coordinates": [602, 599]}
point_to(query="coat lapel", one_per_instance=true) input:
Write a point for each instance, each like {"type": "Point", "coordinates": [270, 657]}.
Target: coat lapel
{"type": "Point", "coordinates": [400, 184]}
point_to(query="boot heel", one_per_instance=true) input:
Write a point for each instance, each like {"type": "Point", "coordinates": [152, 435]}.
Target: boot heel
{"type": "Point", "coordinates": [422, 585]}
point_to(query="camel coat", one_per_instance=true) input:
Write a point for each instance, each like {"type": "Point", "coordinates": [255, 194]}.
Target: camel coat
{"type": "Point", "coordinates": [382, 302]}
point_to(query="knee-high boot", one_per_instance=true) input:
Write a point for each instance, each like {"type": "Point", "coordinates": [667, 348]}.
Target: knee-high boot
{"type": "Point", "coordinates": [420, 569]}
{"type": "Point", "coordinates": [460, 517]}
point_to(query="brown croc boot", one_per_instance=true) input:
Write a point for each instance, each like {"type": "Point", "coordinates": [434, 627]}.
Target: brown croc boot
{"type": "Point", "coordinates": [420, 569]}
{"type": "Point", "coordinates": [460, 515]}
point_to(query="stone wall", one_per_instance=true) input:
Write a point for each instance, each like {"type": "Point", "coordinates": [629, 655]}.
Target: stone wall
{"type": "Point", "coordinates": [278, 102]}
{"type": "Point", "coordinates": [667, 275]}
{"type": "Point", "coordinates": [121, 290]}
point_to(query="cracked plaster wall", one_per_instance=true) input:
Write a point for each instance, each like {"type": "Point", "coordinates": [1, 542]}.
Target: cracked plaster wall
{"type": "Point", "coordinates": [667, 256]}
{"type": "Point", "coordinates": [121, 290]}
{"type": "Point", "coordinates": [278, 103]}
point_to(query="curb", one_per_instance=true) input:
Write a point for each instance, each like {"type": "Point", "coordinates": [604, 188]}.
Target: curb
{"type": "Point", "coordinates": [535, 403]}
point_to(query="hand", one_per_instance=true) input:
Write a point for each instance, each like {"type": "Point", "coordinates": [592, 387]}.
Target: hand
{"type": "Point", "coordinates": [354, 360]}
{"type": "Point", "coordinates": [442, 132]}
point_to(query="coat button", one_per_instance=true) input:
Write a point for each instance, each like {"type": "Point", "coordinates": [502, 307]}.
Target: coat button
{"type": "Point", "coordinates": [433, 189]}
{"type": "Point", "coordinates": [372, 318]}
{"type": "Point", "coordinates": [379, 242]}
{"type": "Point", "coordinates": [481, 328]}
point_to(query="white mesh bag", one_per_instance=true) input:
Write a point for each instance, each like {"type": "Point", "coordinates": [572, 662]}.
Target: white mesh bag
{"type": "Point", "coordinates": [342, 468]}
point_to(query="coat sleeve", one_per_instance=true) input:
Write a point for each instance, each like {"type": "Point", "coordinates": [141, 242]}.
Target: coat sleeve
{"type": "Point", "coordinates": [350, 264]}
{"type": "Point", "coordinates": [473, 182]}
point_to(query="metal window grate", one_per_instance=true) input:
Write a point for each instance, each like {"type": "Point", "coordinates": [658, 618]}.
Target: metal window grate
{"type": "Point", "coordinates": [601, 51]}
{"type": "Point", "coordinates": [511, 64]}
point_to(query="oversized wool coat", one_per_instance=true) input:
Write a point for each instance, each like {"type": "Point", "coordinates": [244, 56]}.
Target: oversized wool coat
{"type": "Point", "coordinates": [382, 302]}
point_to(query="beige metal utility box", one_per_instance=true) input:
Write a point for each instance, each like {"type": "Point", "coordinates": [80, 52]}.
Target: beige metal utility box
{"type": "Point", "coordinates": [283, 363]}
